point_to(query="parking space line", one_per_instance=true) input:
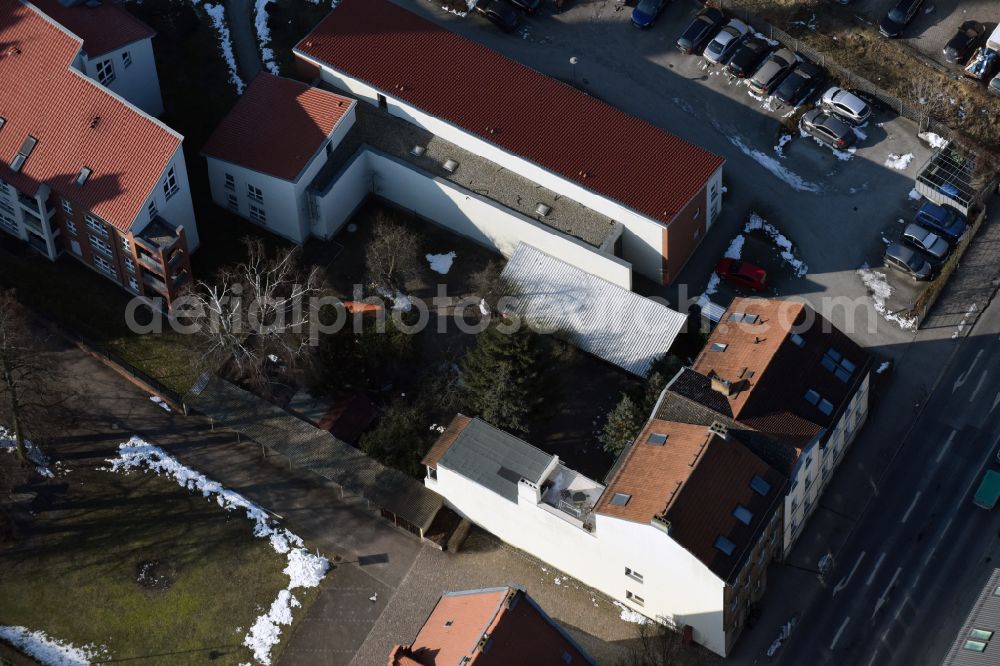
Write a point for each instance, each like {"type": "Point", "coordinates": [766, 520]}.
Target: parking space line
{"type": "Point", "coordinates": [871, 577]}
{"type": "Point", "coordinates": [906, 515]}
{"type": "Point", "coordinates": [944, 449]}
{"type": "Point", "coordinates": [836, 636]}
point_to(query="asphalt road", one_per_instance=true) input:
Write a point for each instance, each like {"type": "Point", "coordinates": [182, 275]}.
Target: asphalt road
{"type": "Point", "coordinates": [914, 563]}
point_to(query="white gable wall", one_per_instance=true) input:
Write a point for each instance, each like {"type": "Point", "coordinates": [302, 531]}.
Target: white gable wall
{"type": "Point", "coordinates": [138, 83]}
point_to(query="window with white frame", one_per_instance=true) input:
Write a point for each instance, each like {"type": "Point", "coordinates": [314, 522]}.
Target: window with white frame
{"type": "Point", "coordinates": [95, 225]}
{"type": "Point", "coordinates": [634, 598]}
{"type": "Point", "coordinates": [8, 223]}
{"type": "Point", "coordinates": [100, 245]}
{"type": "Point", "coordinates": [255, 193]}
{"type": "Point", "coordinates": [133, 284]}
{"type": "Point", "coordinates": [126, 244]}
{"type": "Point", "coordinates": [67, 207]}
{"type": "Point", "coordinates": [106, 72]}
{"type": "Point", "coordinates": [170, 186]}
{"type": "Point", "coordinates": [129, 265]}
{"type": "Point", "coordinates": [71, 227]}
{"type": "Point", "coordinates": [257, 214]}
{"type": "Point", "coordinates": [230, 182]}
{"type": "Point", "coordinates": [127, 59]}
{"type": "Point", "coordinates": [634, 575]}
{"type": "Point", "coordinates": [105, 265]}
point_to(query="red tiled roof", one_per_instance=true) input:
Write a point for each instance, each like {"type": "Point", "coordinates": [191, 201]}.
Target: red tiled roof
{"type": "Point", "coordinates": [103, 28]}
{"type": "Point", "coordinates": [512, 106]}
{"type": "Point", "coordinates": [76, 121]}
{"type": "Point", "coordinates": [277, 126]}
{"type": "Point", "coordinates": [517, 629]}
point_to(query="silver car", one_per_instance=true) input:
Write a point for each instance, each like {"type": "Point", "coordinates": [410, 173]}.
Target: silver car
{"type": "Point", "coordinates": [926, 240]}
{"type": "Point", "coordinates": [906, 260]}
{"type": "Point", "coordinates": [720, 48]}
{"type": "Point", "coordinates": [772, 72]}
{"type": "Point", "coordinates": [847, 105]}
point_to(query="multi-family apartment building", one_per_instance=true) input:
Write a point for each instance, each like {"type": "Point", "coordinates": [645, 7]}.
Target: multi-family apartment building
{"type": "Point", "coordinates": [83, 171]}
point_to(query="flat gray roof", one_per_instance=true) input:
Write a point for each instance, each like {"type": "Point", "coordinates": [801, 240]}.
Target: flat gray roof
{"type": "Point", "coordinates": [495, 459]}
{"type": "Point", "coordinates": [984, 616]}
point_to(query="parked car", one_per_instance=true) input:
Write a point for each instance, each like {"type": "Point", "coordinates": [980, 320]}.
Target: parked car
{"type": "Point", "coordinates": [700, 30]}
{"type": "Point", "coordinates": [801, 84]}
{"type": "Point", "coordinates": [926, 240]}
{"type": "Point", "coordinates": [906, 260]}
{"type": "Point", "coordinates": [748, 56]}
{"type": "Point", "coordinates": [982, 64]}
{"type": "Point", "coordinates": [994, 86]}
{"type": "Point", "coordinates": [828, 128]}
{"type": "Point", "coordinates": [966, 40]}
{"type": "Point", "coordinates": [773, 71]}
{"type": "Point", "coordinates": [847, 105]}
{"type": "Point", "coordinates": [896, 20]}
{"type": "Point", "coordinates": [942, 219]}
{"type": "Point", "coordinates": [743, 274]}
{"type": "Point", "coordinates": [723, 44]}
{"type": "Point", "coordinates": [526, 6]}
{"type": "Point", "coordinates": [645, 13]}
{"type": "Point", "coordinates": [501, 14]}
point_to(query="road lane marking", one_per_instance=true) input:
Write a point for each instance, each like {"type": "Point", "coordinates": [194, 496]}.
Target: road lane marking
{"type": "Point", "coordinates": [844, 581]}
{"type": "Point", "coordinates": [996, 401]}
{"type": "Point", "coordinates": [878, 563]}
{"type": "Point", "coordinates": [979, 385]}
{"type": "Point", "coordinates": [965, 375]}
{"type": "Point", "coordinates": [888, 588]}
{"type": "Point", "coordinates": [906, 516]}
{"type": "Point", "coordinates": [944, 449]}
{"type": "Point", "coordinates": [836, 636]}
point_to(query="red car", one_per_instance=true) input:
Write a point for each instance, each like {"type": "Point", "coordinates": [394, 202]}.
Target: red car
{"type": "Point", "coordinates": [742, 274]}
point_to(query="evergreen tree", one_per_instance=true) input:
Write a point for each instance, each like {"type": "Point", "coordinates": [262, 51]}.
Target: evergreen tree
{"type": "Point", "coordinates": [623, 425]}
{"type": "Point", "coordinates": [399, 440]}
{"type": "Point", "coordinates": [501, 378]}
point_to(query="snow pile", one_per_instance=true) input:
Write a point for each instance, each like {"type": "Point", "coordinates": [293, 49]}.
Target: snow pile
{"type": "Point", "coordinates": [771, 164]}
{"type": "Point", "coordinates": [161, 402]}
{"type": "Point", "coordinates": [264, 35]}
{"type": "Point", "coordinates": [400, 301]}
{"type": "Point", "coordinates": [303, 569]}
{"type": "Point", "coordinates": [47, 651]}
{"type": "Point", "coordinates": [780, 148]}
{"type": "Point", "coordinates": [218, 15]}
{"type": "Point", "coordinates": [965, 321]}
{"type": "Point", "coordinates": [756, 222]}
{"type": "Point", "coordinates": [882, 367]}
{"type": "Point", "coordinates": [766, 103]}
{"type": "Point", "coordinates": [471, 4]}
{"type": "Point", "coordinates": [898, 162]}
{"type": "Point", "coordinates": [9, 442]}
{"type": "Point", "coordinates": [935, 140]}
{"type": "Point", "coordinates": [880, 290]}
{"type": "Point", "coordinates": [441, 263]}
{"type": "Point", "coordinates": [914, 195]}
{"type": "Point", "coordinates": [735, 249]}
{"type": "Point", "coordinates": [629, 615]}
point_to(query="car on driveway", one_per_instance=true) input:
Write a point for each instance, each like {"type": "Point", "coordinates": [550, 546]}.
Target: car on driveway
{"type": "Point", "coordinates": [942, 219]}
{"type": "Point", "coordinates": [926, 241]}
{"type": "Point", "coordinates": [742, 274]}
{"type": "Point", "coordinates": [966, 40]}
{"type": "Point", "coordinates": [906, 260]}
{"type": "Point", "coordinates": [772, 72]}
{"type": "Point", "coordinates": [748, 56]}
{"type": "Point", "coordinates": [700, 30]}
{"type": "Point", "coordinates": [499, 13]}
{"type": "Point", "coordinates": [897, 18]}
{"type": "Point", "coordinates": [828, 128]}
{"type": "Point", "coordinates": [801, 84]}
{"type": "Point", "coordinates": [847, 105]}
{"type": "Point", "coordinates": [645, 13]}
{"type": "Point", "coordinates": [723, 44]}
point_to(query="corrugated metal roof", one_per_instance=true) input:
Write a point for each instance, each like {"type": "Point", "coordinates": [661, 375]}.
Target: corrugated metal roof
{"type": "Point", "coordinates": [612, 323]}
{"type": "Point", "coordinates": [502, 102]}
{"type": "Point", "coordinates": [233, 409]}
{"type": "Point", "coordinates": [494, 459]}
{"type": "Point", "coordinates": [985, 615]}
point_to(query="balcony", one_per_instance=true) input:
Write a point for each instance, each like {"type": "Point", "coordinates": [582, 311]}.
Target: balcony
{"type": "Point", "coordinates": [152, 263]}
{"type": "Point", "coordinates": [572, 494]}
{"type": "Point", "coordinates": [28, 202]}
{"type": "Point", "coordinates": [159, 235]}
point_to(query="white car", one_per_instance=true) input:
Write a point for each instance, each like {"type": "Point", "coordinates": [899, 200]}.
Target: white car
{"type": "Point", "coordinates": [847, 105]}
{"type": "Point", "coordinates": [720, 48]}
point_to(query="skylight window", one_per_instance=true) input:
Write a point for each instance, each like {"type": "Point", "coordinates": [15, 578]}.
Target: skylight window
{"type": "Point", "coordinates": [975, 646]}
{"type": "Point", "coordinates": [735, 316]}
{"type": "Point", "coordinates": [797, 340]}
{"type": "Point", "coordinates": [719, 346]}
{"type": "Point", "coordinates": [3, 121]}
{"type": "Point", "coordinates": [84, 175]}
{"type": "Point", "coordinates": [743, 514]}
{"type": "Point", "coordinates": [835, 362]}
{"type": "Point", "coordinates": [981, 634]}
{"type": "Point", "coordinates": [759, 485]}
{"type": "Point", "coordinates": [826, 407]}
{"type": "Point", "coordinates": [725, 545]}
{"type": "Point", "coordinates": [812, 397]}
{"type": "Point", "coordinates": [620, 499]}
{"type": "Point", "coordinates": [657, 439]}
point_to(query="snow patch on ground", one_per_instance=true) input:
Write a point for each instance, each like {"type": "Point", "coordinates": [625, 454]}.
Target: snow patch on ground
{"type": "Point", "coordinates": [8, 442]}
{"type": "Point", "coordinates": [880, 291]}
{"type": "Point", "coordinates": [882, 367]}
{"type": "Point", "coordinates": [400, 301]}
{"type": "Point", "coordinates": [965, 320]}
{"type": "Point", "coordinates": [780, 148]}
{"type": "Point", "coordinates": [914, 195]}
{"type": "Point", "coordinates": [898, 162]}
{"type": "Point", "coordinates": [161, 402]}
{"type": "Point", "coordinates": [218, 15]}
{"type": "Point", "coordinates": [735, 249]}
{"type": "Point", "coordinates": [441, 263]}
{"type": "Point", "coordinates": [470, 3]}
{"type": "Point", "coordinates": [264, 35]}
{"type": "Point", "coordinates": [935, 140]}
{"type": "Point", "coordinates": [756, 222]}
{"type": "Point", "coordinates": [46, 650]}
{"type": "Point", "coordinates": [629, 615]}
{"type": "Point", "coordinates": [303, 569]}
{"type": "Point", "coordinates": [860, 133]}
{"type": "Point", "coordinates": [771, 164]}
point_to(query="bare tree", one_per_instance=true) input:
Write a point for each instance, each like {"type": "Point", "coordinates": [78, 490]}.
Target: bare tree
{"type": "Point", "coordinates": [392, 256]}
{"type": "Point", "coordinates": [658, 645]}
{"type": "Point", "coordinates": [29, 400]}
{"type": "Point", "coordinates": [256, 315]}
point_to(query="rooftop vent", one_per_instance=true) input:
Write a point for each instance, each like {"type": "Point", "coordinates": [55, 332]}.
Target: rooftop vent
{"type": "Point", "coordinates": [94, 122]}
{"type": "Point", "coordinates": [450, 166]}
{"type": "Point", "coordinates": [82, 178]}
{"type": "Point", "coordinates": [418, 151]}
{"type": "Point", "coordinates": [542, 210]}
{"type": "Point", "coordinates": [718, 428]}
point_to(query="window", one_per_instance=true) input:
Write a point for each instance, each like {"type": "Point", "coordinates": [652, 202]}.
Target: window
{"type": "Point", "coordinates": [835, 362]}
{"type": "Point", "coordinates": [170, 187]}
{"type": "Point", "coordinates": [126, 59]}
{"type": "Point", "coordinates": [759, 485]}
{"type": "Point", "coordinates": [719, 346]}
{"type": "Point", "coordinates": [95, 225]}
{"type": "Point", "coordinates": [620, 499]}
{"type": "Point", "coordinates": [71, 227]}
{"type": "Point", "coordinates": [126, 244]}
{"type": "Point", "coordinates": [975, 646]}
{"type": "Point", "coordinates": [797, 340]}
{"type": "Point", "coordinates": [105, 266]}
{"type": "Point", "coordinates": [981, 634]}
{"type": "Point", "coordinates": [697, 214]}
{"type": "Point", "coordinates": [133, 284]}
{"type": "Point", "coordinates": [713, 190]}
{"type": "Point", "coordinates": [826, 407]}
{"type": "Point", "coordinates": [99, 245]}
{"type": "Point", "coordinates": [743, 514]}
{"type": "Point", "coordinates": [634, 598]}
{"type": "Point", "coordinates": [724, 545]}
{"type": "Point", "coordinates": [633, 574]}
{"type": "Point", "coordinates": [106, 72]}
{"type": "Point", "coordinates": [255, 193]}
{"type": "Point", "coordinates": [657, 439]}
{"type": "Point", "coordinates": [232, 202]}
{"type": "Point", "coordinates": [67, 207]}
{"type": "Point", "coordinates": [230, 182]}
{"type": "Point", "coordinates": [258, 214]}
{"type": "Point", "coordinates": [996, 592]}
{"type": "Point", "coordinates": [129, 265]}
{"type": "Point", "coordinates": [153, 212]}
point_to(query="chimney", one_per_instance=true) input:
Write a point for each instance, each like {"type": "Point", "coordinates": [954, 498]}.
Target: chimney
{"type": "Point", "coordinates": [723, 386]}
{"type": "Point", "coordinates": [719, 429]}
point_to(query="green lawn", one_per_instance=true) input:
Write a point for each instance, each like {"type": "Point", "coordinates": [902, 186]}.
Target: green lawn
{"type": "Point", "coordinates": [75, 575]}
